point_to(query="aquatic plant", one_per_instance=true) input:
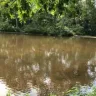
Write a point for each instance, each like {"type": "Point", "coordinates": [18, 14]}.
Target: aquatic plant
{"type": "Point", "coordinates": [81, 91]}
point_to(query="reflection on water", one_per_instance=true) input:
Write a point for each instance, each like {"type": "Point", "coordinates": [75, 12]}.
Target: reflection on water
{"type": "Point", "coordinates": [3, 88]}
{"type": "Point", "coordinates": [41, 65]}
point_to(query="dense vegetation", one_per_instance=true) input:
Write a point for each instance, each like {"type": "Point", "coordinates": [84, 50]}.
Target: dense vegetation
{"type": "Point", "coordinates": [48, 17]}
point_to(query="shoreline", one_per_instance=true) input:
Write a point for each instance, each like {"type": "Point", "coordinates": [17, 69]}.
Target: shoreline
{"type": "Point", "coordinates": [85, 36]}
{"type": "Point", "coordinates": [29, 33]}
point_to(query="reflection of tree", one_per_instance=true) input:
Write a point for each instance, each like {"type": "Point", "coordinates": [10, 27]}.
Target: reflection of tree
{"type": "Point", "coordinates": [28, 66]}
{"type": "Point", "coordinates": [92, 67]}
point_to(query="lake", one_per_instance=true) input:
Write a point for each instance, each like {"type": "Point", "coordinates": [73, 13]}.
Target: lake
{"type": "Point", "coordinates": [43, 65]}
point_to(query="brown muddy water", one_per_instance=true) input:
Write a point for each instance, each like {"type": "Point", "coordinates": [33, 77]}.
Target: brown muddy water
{"type": "Point", "coordinates": [43, 65]}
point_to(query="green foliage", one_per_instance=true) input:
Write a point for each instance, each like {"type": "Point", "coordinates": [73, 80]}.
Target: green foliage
{"type": "Point", "coordinates": [6, 27]}
{"type": "Point", "coordinates": [46, 24]}
{"type": "Point", "coordinates": [10, 94]}
{"type": "Point", "coordinates": [77, 90]}
{"type": "Point", "coordinates": [90, 22]}
{"type": "Point", "coordinates": [82, 91]}
{"type": "Point", "coordinates": [49, 17]}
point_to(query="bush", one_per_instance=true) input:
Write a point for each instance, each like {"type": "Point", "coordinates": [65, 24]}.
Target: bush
{"type": "Point", "coordinates": [6, 27]}
{"type": "Point", "coordinates": [46, 24]}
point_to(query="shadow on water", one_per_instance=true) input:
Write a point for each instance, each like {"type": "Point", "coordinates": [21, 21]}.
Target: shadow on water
{"type": "Point", "coordinates": [42, 65]}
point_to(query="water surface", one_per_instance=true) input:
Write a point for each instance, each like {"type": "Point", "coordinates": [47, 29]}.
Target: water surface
{"type": "Point", "coordinates": [43, 65]}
